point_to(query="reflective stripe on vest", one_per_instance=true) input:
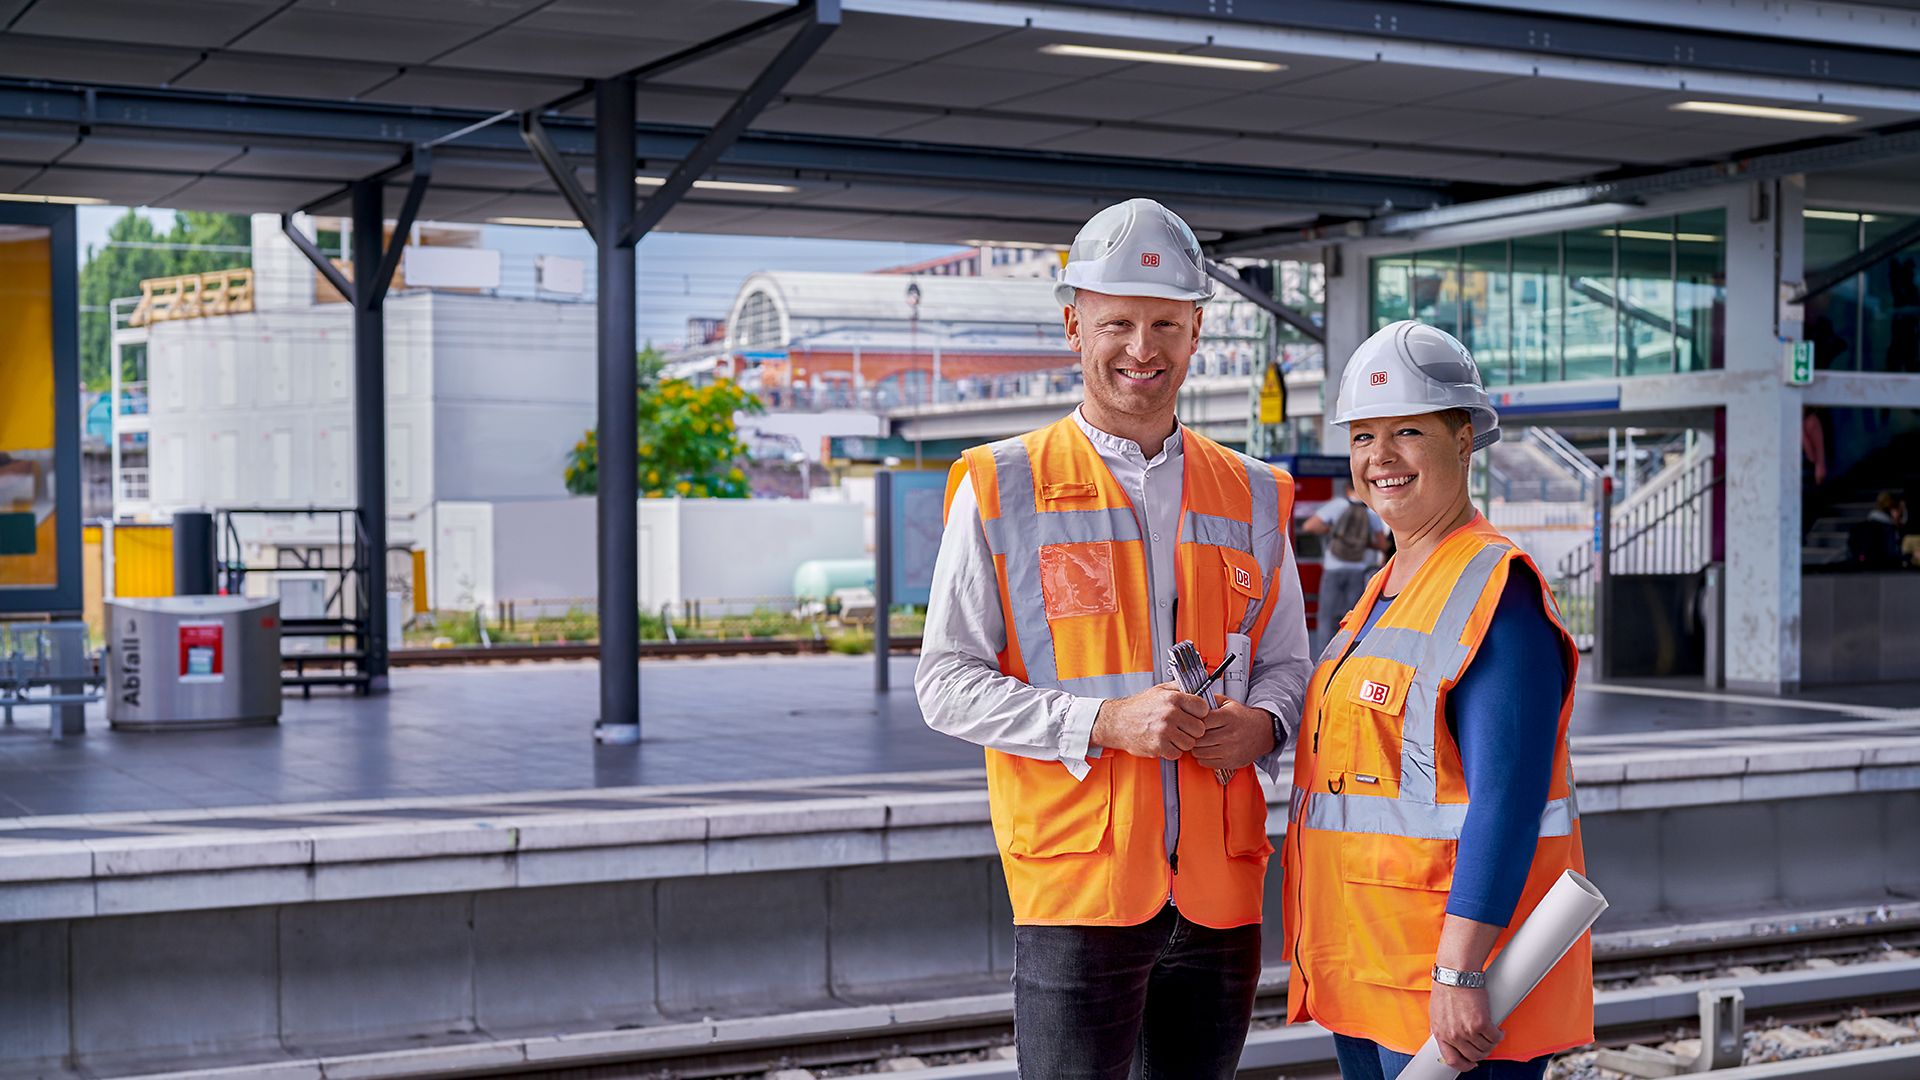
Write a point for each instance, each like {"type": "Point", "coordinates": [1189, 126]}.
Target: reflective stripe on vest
{"type": "Point", "coordinates": [1264, 487]}
{"type": "Point", "coordinates": [1435, 658]}
{"type": "Point", "coordinates": [1017, 535]}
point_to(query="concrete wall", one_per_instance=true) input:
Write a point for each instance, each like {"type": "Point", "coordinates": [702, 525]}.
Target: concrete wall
{"type": "Point", "coordinates": [1859, 627]}
{"type": "Point", "coordinates": [460, 556]}
{"type": "Point", "coordinates": [257, 409]}
{"type": "Point", "coordinates": [738, 548]}
{"type": "Point", "coordinates": [557, 927]}
{"type": "Point", "coordinates": [545, 549]}
{"type": "Point", "coordinates": [514, 388]}
{"type": "Point", "coordinates": [485, 397]}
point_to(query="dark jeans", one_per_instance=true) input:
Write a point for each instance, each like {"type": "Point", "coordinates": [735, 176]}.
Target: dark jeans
{"type": "Point", "coordinates": [1364, 1059]}
{"type": "Point", "coordinates": [1090, 1000]}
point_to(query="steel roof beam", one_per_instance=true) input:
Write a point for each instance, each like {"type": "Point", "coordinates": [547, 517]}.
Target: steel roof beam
{"type": "Point", "coordinates": [534, 134]}
{"type": "Point", "coordinates": [162, 113]}
{"type": "Point", "coordinates": [1554, 35]}
{"type": "Point", "coordinates": [693, 53]}
{"type": "Point", "coordinates": [402, 225]}
{"type": "Point", "coordinates": [1634, 189]}
{"type": "Point", "coordinates": [824, 20]}
{"type": "Point", "coordinates": [1266, 302]}
{"type": "Point", "coordinates": [318, 258]}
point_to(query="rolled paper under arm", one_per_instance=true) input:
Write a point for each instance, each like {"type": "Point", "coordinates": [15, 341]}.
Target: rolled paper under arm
{"type": "Point", "coordinates": [1568, 910]}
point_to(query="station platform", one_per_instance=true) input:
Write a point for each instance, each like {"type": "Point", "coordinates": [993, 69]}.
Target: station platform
{"type": "Point", "coordinates": [526, 727]}
{"type": "Point", "coordinates": [455, 869]}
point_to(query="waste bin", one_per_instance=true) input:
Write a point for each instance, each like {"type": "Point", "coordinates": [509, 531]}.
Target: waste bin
{"type": "Point", "coordinates": [193, 661]}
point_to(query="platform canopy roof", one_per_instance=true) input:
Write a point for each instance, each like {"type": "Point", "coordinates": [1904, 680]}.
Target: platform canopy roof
{"type": "Point", "coordinates": [942, 120]}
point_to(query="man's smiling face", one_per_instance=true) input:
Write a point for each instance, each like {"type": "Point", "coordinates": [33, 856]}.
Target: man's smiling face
{"type": "Point", "coordinates": [1134, 351]}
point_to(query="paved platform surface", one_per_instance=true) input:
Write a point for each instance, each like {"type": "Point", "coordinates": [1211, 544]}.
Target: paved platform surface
{"type": "Point", "coordinates": [518, 728]}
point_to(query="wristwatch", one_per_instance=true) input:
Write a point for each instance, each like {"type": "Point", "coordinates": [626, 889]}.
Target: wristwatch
{"type": "Point", "coordinates": [1466, 980]}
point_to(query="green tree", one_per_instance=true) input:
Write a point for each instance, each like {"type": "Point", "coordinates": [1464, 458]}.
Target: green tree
{"type": "Point", "coordinates": [117, 269]}
{"type": "Point", "coordinates": [687, 444]}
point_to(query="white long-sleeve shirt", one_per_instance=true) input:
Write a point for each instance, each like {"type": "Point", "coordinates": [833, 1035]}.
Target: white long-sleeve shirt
{"type": "Point", "coordinates": [961, 689]}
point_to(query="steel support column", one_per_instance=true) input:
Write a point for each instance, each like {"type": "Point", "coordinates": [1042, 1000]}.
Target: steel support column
{"type": "Point", "coordinates": [617, 228]}
{"type": "Point", "coordinates": [618, 495]}
{"type": "Point", "coordinates": [374, 263]}
{"type": "Point", "coordinates": [370, 414]}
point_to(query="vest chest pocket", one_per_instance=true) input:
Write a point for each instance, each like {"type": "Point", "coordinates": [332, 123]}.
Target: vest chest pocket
{"type": "Point", "coordinates": [1077, 579]}
{"type": "Point", "coordinates": [1370, 699]}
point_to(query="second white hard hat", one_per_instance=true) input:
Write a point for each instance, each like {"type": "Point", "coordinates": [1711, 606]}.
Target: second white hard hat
{"type": "Point", "coordinates": [1408, 368]}
{"type": "Point", "coordinates": [1135, 248]}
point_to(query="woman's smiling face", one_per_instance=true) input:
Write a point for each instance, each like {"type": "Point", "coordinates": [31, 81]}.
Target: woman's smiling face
{"type": "Point", "coordinates": [1410, 469]}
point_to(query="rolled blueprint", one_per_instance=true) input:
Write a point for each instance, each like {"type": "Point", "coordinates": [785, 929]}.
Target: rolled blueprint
{"type": "Point", "coordinates": [1234, 685]}
{"type": "Point", "coordinates": [1568, 910]}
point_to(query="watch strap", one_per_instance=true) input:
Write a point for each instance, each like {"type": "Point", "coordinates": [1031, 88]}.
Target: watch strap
{"type": "Point", "coordinates": [1467, 980]}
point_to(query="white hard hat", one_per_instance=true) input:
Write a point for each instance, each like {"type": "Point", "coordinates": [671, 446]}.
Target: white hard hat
{"type": "Point", "coordinates": [1409, 368]}
{"type": "Point", "coordinates": [1135, 248]}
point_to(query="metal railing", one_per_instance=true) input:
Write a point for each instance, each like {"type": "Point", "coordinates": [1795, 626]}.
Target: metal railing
{"type": "Point", "coordinates": [51, 664]}
{"type": "Point", "coordinates": [1578, 465]}
{"type": "Point", "coordinates": [1668, 531]}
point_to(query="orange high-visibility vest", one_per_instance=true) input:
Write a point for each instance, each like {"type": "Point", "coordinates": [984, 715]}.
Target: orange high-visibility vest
{"type": "Point", "coordinates": [1067, 550]}
{"type": "Point", "coordinates": [1379, 798]}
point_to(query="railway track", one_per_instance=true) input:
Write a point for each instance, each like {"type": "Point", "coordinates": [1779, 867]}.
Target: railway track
{"type": "Point", "coordinates": [1820, 975]}
{"type": "Point", "coordinates": [649, 650]}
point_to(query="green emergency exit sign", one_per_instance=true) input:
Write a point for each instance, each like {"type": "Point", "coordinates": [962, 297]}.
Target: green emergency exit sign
{"type": "Point", "coordinates": [1799, 363]}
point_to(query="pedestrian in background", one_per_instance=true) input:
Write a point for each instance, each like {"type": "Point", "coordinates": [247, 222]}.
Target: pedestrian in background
{"type": "Point", "coordinates": [1876, 543]}
{"type": "Point", "coordinates": [1432, 803]}
{"type": "Point", "coordinates": [1355, 536]}
{"type": "Point", "coordinates": [1074, 557]}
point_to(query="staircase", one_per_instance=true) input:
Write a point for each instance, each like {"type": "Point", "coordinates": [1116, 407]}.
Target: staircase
{"type": "Point", "coordinates": [303, 550]}
{"type": "Point", "coordinates": [1665, 528]}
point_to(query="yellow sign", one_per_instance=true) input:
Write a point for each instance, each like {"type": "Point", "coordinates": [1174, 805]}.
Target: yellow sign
{"type": "Point", "coordinates": [1273, 397]}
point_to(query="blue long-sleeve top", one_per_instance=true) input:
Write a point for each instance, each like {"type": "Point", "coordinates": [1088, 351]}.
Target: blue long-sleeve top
{"type": "Point", "coordinates": [1504, 715]}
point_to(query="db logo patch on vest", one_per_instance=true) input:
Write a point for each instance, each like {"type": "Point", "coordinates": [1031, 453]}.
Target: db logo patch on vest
{"type": "Point", "coordinates": [1377, 693]}
{"type": "Point", "coordinates": [1242, 578]}
{"type": "Point", "coordinates": [1378, 378]}
{"type": "Point", "coordinates": [1149, 258]}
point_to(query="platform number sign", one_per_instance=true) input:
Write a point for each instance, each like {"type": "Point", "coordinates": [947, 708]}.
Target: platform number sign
{"type": "Point", "coordinates": [1799, 363]}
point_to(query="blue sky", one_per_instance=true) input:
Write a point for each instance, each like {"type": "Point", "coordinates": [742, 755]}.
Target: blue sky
{"type": "Point", "coordinates": [681, 275]}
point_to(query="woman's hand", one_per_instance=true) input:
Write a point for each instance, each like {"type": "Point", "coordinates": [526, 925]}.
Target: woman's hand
{"type": "Point", "coordinates": [1463, 1025]}
{"type": "Point", "coordinates": [1462, 1019]}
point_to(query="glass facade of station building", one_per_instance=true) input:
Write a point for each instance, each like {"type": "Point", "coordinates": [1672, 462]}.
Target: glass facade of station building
{"type": "Point", "coordinates": [1641, 297]}
{"type": "Point", "coordinates": [1870, 321]}
{"type": "Point", "coordinates": [1645, 297]}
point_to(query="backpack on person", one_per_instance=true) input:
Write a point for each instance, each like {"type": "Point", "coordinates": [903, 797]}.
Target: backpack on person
{"type": "Point", "coordinates": [1351, 538]}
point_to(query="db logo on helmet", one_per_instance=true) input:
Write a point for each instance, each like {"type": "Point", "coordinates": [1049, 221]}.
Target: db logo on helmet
{"type": "Point", "coordinates": [1378, 378]}
{"type": "Point", "coordinates": [1149, 258]}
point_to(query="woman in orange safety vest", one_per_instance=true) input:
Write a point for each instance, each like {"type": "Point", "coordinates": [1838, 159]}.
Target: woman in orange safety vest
{"type": "Point", "coordinates": [1432, 802]}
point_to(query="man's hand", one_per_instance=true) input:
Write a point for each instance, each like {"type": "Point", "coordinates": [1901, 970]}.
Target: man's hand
{"type": "Point", "coordinates": [1463, 1026]}
{"type": "Point", "coordinates": [1236, 735]}
{"type": "Point", "coordinates": [1158, 722]}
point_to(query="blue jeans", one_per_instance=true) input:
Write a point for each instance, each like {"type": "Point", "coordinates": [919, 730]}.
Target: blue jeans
{"type": "Point", "coordinates": [1364, 1059]}
{"type": "Point", "coordinates": [1165, 999]}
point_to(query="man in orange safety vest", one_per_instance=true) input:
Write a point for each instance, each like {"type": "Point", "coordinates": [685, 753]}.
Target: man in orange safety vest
{"type": "Point", "coordinates": [1129, 817]}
